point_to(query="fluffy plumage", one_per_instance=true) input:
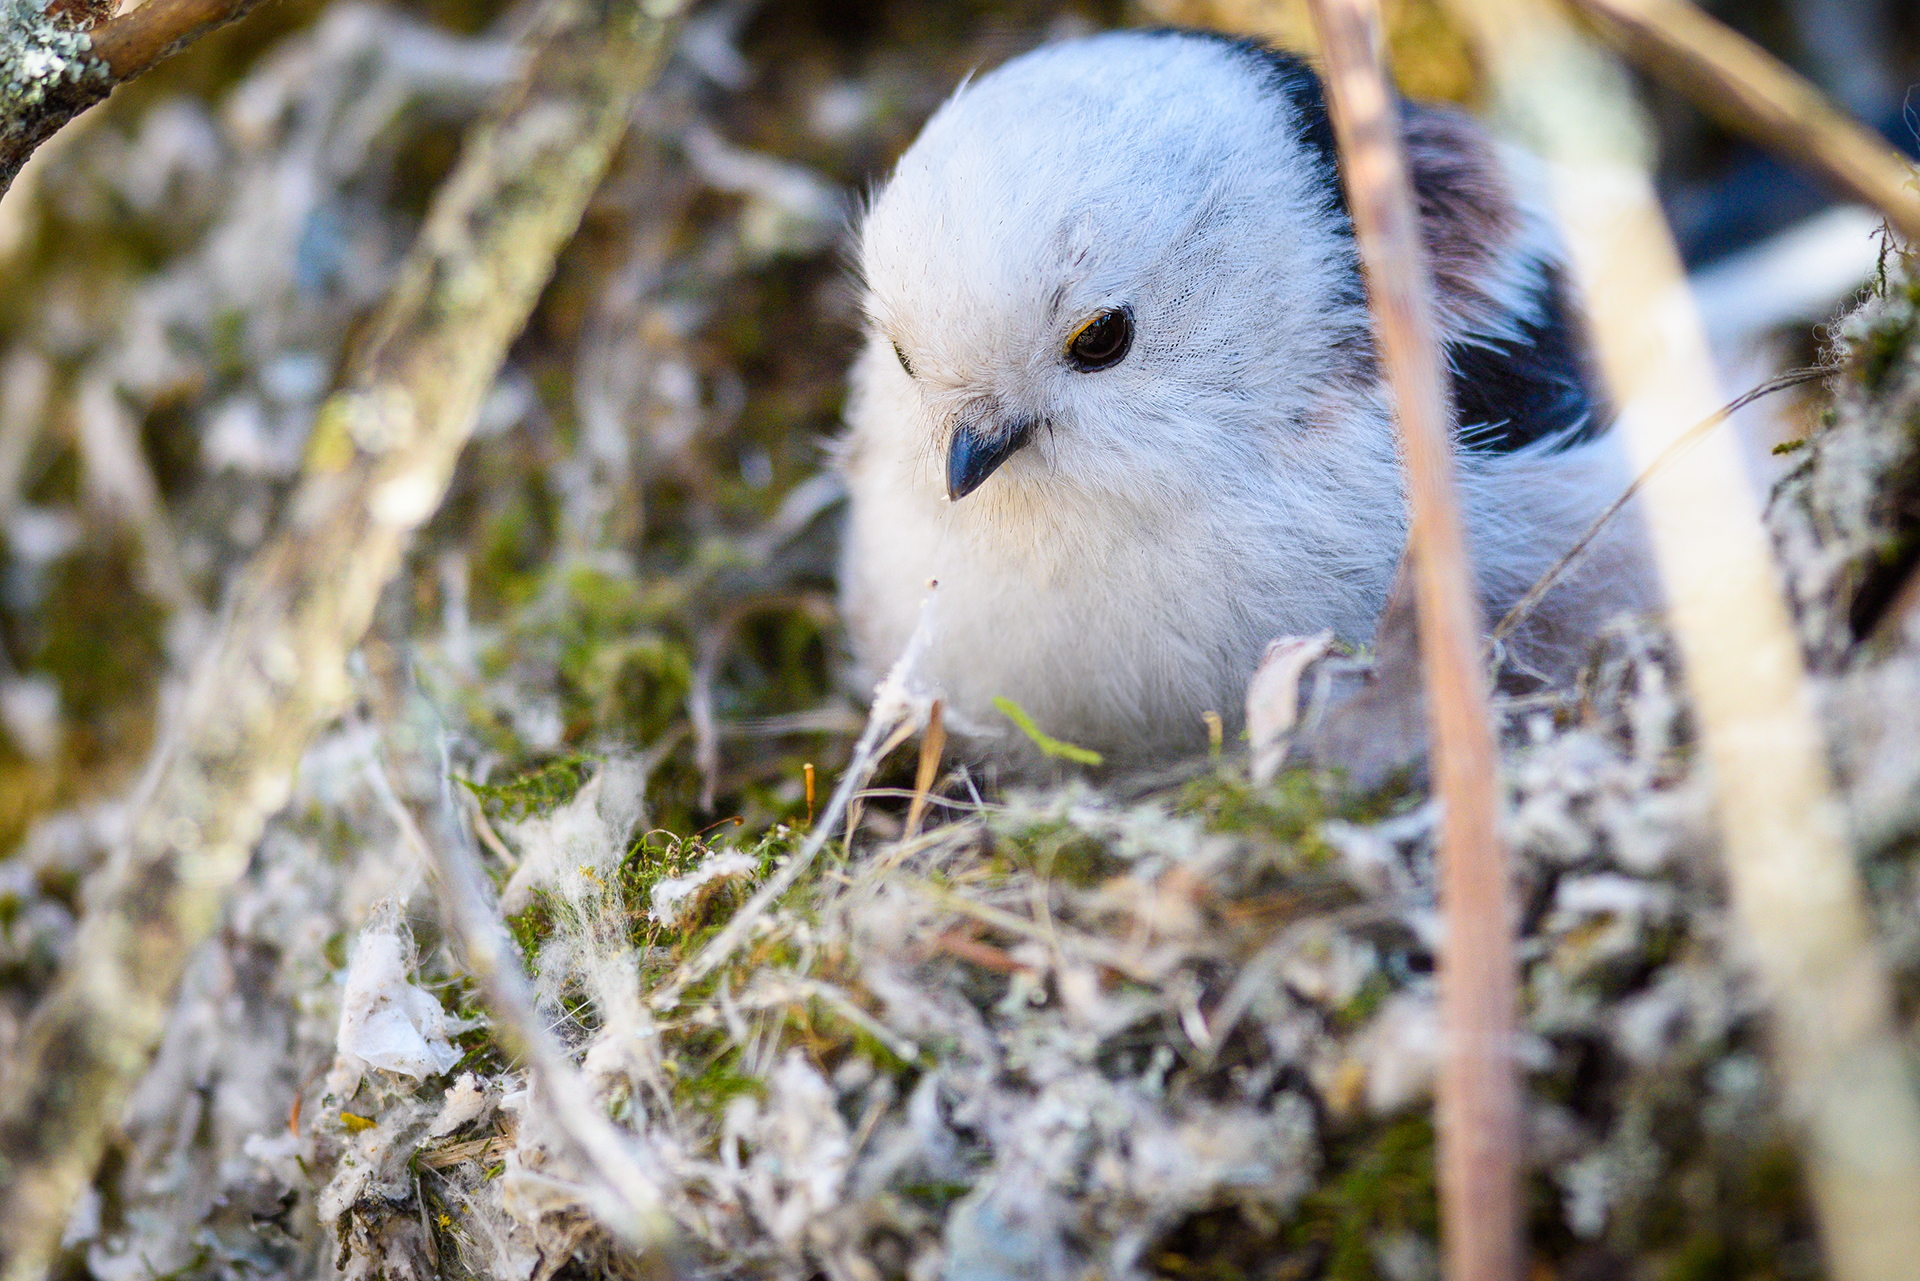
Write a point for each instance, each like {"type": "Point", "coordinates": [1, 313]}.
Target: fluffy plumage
{"type": "Point", "coordinates": [1126, 540]}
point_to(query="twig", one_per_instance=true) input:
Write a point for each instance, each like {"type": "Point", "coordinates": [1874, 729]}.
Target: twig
{"type": "Point", "coordinates": [1093, 949]}
{"type": "Point", "coordinates": [892, 705]}
{"type": "Point", "coordinates": [1478, 1103]}
{"type": "Point", "coordinates": [630, 1200]}
{"type": "Point", "coordinates": [1673, 453]}
{"type": "Point", "coordinates": [1746, 88]}
{"type": "Point", "coordinates": [1795, 892]}
{"type": "Point", "coordinates": [477, 814]}
{"type": "Point", "coordinates": [968, 948]}
{"type": "Point", "coordinates": [55, 70]}
{"type": "Point", "coordinates": [381, 455]}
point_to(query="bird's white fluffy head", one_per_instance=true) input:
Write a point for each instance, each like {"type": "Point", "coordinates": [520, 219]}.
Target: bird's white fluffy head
{"type": "Point", "coordinates": [1158, 172]}
{"type": "Point", "coordinates": [1115, 541]}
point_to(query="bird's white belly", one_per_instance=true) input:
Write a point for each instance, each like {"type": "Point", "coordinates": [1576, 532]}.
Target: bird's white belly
{"type": "Point", "coordinates": [1114, 630]}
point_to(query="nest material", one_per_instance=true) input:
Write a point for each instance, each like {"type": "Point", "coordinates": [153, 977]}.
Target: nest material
{"type": "Point", "coordinates": [1165, 1029]}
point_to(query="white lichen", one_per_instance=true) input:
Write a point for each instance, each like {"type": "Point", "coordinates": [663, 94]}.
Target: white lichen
{"type": "Point", "coordinates": [37, 54]}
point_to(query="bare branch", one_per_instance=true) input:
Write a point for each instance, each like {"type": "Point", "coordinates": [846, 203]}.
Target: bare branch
{"type": "Point", "coordinates": [1746, 88]}
{"type": "Point", "coordinates": [381, 455]}
{"type": "Point", "coordinates": [51, 69]}
{"type": "Point", "coordinates": [1479, 1110]}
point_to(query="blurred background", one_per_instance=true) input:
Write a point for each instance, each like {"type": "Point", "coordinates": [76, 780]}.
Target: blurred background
{"type": "Point", "coordinates": [638, 537]}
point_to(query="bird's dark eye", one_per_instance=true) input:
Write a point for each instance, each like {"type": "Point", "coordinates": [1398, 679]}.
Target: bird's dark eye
{"type": "Point", "coordinates": [904, 362]}
{"type": "Point", "coordinates": [1102, 341]}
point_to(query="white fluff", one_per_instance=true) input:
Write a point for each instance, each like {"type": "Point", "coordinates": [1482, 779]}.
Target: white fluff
{"type": "Point", "coordinates": [1233, 479]}
{"type": "Point", "coordinates": [385, 1021]}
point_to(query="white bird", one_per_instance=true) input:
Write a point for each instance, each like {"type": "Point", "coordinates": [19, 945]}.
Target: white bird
{"type": "Point", "coordinates": [1119, 395]}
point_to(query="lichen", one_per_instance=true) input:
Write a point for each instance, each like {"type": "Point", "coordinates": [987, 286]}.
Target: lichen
{"type": "Point", "coordinates": [38, 53]}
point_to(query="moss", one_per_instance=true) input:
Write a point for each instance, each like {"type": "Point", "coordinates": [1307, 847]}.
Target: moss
{"type": "Point", "coordinates": [1880, 350]}
{"type": "Point", "coordinates": [1375, 1184]}
{"type": "Point", "coordinates": [514, 548]}
{"type": "Point", "coordinates": [100, 640]}
{"type": "Point", "coordinates": [27, 790]}
{"type": "Point", "coordinates": [1747, 1208]}
{"type": "Point", "coordinates": [1285, 815]}
{"type": "Point", "coordinates": [935, 1195]}
{"type": "Point", "coordinates": [535, 792]}
{"type": "Point", "coordinates": [716, 1080]}
{"type": "Point", "coordinates": [531, 928]}
{"type": "Point", "coordinates": [635, 686]}
{"type": "Point", "coordinates": [1379, 1182]}
{"type": "Point", "coordinates": [1365, 1003]}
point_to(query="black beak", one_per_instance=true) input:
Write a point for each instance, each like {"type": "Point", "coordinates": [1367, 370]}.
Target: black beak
{"type": "Point", "coordinates": [975, 455]}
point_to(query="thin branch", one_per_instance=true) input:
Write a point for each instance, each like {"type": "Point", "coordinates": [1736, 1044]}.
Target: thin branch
{"type": "Point", "coordinates": [1673, 453]}
{"type": "Point", "coordinates": [1749, 90]}
{"type": "Point", "coordinates": [53, 70]}
{"type": "Point", "coordinates": [1791, 877]}
{"type": "Point", "coordinates": [135, 43]}
{"type": "Point", "coordinates": [1479, 1107]}
{"type": "Point", "coordinates": [381, 454]}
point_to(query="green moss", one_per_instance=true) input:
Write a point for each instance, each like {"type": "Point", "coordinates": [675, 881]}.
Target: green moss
{"type": "Point", "coordinates": [514, 548]}
{"type": "Point", "coordinates": [1286, 814]}
{"type": "Point", "coordinates": [1757, 1206]}
{"type": "Point", "coordinates": [937, 1195]}
{"type": "Point", "coordinates": [1376, 1183]}
{"type": "Point", "coordinates": [532, 928]}
{"type": "Point", "coordinates": [716, 1080]}
{"type": "Point", "coordinates": [1071, 856]}
{"type": "Point", "coordinates": [1380, 1183]}
{"type": "Point", "coordinates": [635, 686]}
{"type": "Point", "coordinates": [101, 635]}
{"type": "Point", "coordinates": [535, 792]}
{"type": "Point", "coordinates": [1881, 349]}
{"type": "Point", "coordinates": [1375, 990]}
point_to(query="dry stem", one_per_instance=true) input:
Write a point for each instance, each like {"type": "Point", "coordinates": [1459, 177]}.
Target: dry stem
{"type": "Point", "coordinates": [1525, 606]}
{"type": "Point", "coordinates": [1478, 1086]}
{"type": "Point", "coordinates": [932, 743]}
{"type": "Point", "coordinates": [1746, 88]}
{"type": "Point", "coordinates": [380, 458]}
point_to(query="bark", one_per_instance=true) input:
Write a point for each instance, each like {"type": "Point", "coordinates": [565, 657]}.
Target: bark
{"type": "Point", "coordinates": [55, 64]}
